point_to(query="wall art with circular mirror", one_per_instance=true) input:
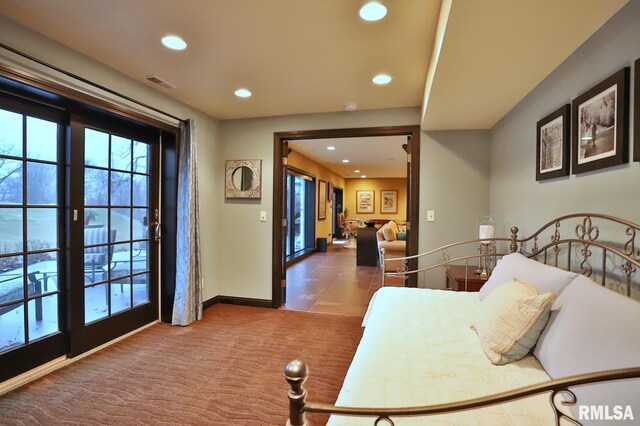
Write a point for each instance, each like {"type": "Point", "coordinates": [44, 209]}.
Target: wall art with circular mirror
{"type": "Point", "coordinates": [243, 179]}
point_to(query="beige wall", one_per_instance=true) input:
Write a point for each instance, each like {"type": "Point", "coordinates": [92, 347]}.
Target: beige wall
{"type": "Point", "coordinates": [377, 185]}
{"type": "Point", "coordinates": [299, 161]}
{"type": "Point", "coordinates": [207, 128]}
{"type": "Point", "coordinates": [244, 266]}
{"type": "Point", "coordinates": [454, 170]}
{"type": "Point", "coordinates": [516, 197]}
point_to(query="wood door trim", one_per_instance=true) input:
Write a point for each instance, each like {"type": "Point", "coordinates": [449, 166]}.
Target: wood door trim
{"type": "Point", "coordinates": [413, 205]}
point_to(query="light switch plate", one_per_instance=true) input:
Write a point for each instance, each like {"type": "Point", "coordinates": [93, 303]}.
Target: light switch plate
{"type": "Point", "coordinates": [263, 216]}
{"type": "Point", "coordinates": [431, 215]}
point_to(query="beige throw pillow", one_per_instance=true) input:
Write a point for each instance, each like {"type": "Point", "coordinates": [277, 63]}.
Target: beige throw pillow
{"type": "Point", "coordinates": [389, 233]}
{"type": "Point", "coordinates": [510, 321]}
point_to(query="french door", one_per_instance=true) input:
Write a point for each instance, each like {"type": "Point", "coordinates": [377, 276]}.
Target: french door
{"type": "Point", "coordinates": [78, 256]}
{"type": "Point", "coordinates": [113, 213]}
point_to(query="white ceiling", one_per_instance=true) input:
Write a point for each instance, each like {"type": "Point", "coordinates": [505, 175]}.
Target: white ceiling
{"type": "Point", "coordinates": [296, 56]}
{"type": "Point", "coordinates": [375, 157]}
{"type": "Point", "coordinates": [311, 56]}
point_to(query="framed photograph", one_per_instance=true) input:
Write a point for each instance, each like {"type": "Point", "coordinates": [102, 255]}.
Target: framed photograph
{"type": "Point", "coordinates": [365, 202]}
{"type": "Point", "coordinates": [322, 200]}
{"type": "Point", "coordinates": [636, 112]}
{"type": "Point", "coordinates": [330, 192]}
{"type": "Point", "coordinates": [600, 121]}
{"type": "Point", "coordinates": [389, 201]}
{"type": "Point", "coordinates": [552, 144]}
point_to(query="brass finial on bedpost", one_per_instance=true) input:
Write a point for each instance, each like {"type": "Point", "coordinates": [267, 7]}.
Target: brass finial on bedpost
{"type": "Point", "coordinates": [296, 373]}
{"type": "Point", "coordinates": [514, 239]}
{"type": "Point", "coordinates": [382, 251]}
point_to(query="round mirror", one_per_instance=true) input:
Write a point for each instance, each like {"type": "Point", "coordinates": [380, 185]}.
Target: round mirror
{"type": "Point", "coordinates": [242, 178]}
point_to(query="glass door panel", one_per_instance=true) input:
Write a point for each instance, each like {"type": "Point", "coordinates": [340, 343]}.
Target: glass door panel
{"type": "Point", "coordinates": [30, 234]}
{"type": "Point", "coordinates": [116, 224]}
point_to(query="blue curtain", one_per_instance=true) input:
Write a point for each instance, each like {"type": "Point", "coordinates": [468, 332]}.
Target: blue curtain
{"type": "Point", "coordinates": [187, 305]}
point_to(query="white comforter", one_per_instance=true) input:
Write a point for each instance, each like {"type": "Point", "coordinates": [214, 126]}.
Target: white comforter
{"type": "Point", "coordinates": [418, 349]}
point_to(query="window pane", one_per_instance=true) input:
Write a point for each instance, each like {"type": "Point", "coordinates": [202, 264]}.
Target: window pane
{"type": "Point", "coordinates": [95, 218]}
{"type": "Point", "coordinates": [96, 148]}
{"type": "Point", "coordinates": [121, 264]}
{"type": "Point", "coordinates": [96, 263]}
{"type": "Point", "coordinates": [42, 229]}
{"type": "Point", "coordinates": [140, 289]}
{"type": "Point", "coordinates": [42, 273]}
{"type": "Point", "coordinates": [95, 303]}
{"type": "Point", "coordinates": [10, 133]}
{"type": "Point", "coordinates": [140, 260]}
{"type": "Point", "coordinates": [10, 230]}
{"type": "Point", "coordinates": [140, 224]}
{"type": "Point", "coordinates": [120, 189]}
{"type": "Point", "coordinates": [120, 295]}
{"type": "Point", "coordinates": [43, 317]}
{"type": "Point", "coordinates": [140, 190]}
{"type": "Point", "coordinates": [10, 181]}
{"type": "Point", "coordinates": [11, 326]}
{"type": "Point", "coordinates": [11, 279]}
{"type": "Point", "coordinates": [42, 186]}
{"type": "Point", "coordinates": [120, 153]}
{"type": "Point", "coordinates": [42, 139]}
{"type": "Point", "coordinates": [96, 187]}
{"type": "Point", "coordinates": [140, 157]}
{"type": "Point", "coordinates": [120, 224]}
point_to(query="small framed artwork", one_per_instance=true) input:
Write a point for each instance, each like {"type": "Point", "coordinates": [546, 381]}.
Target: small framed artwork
{"type": "Point", "coordinates": [322, 200]}
{"type": "Point", "coordinates": [330, 192]}
{"type": "Point", "coordinates": [365, 202]}
{"type": "Point", "coordinates": [636, 112]}
{"type": "Point", "coordinates": [600, 121]}
{"type": "Point", "coordinates": [389, 201]}
{"type": "Point", "coordinates": [552, 144]}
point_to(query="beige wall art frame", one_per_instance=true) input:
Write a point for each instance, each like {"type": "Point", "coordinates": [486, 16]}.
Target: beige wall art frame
{"type": "Point", "coordinates": [243, 179]}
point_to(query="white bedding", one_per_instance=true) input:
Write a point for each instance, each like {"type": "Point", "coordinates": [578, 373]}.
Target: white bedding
{"type": "Point", "coordinates": [418, 349]}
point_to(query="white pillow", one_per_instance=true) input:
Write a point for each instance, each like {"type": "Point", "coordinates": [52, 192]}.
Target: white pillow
{"type": "Point", "coordinates": [543, 278]}
{"type": "Point", "coordinates": [510, 321]}
{"type": "Point", "coordinates": [596, 329]}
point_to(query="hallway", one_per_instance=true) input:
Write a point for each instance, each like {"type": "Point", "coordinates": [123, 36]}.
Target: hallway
{"type": "Point", "coordinates": [331, 283]}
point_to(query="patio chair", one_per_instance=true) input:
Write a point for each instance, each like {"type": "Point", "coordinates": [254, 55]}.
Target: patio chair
{"type": "Point", "coordinates": [97, 259]}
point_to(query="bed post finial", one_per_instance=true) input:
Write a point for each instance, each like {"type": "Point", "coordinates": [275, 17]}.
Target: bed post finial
{"type": "Point", "coordinates": [514, 239]}
{"type": "Point", "coordinates": [296, 373]}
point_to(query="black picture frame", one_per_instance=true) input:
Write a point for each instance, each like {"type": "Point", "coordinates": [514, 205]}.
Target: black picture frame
{"type": "Point", "coordinates": [552, 135]}
{"type": "Point", "coordinates": [636, 111]}
{"type": "Point", "coordinates": [601, 139]}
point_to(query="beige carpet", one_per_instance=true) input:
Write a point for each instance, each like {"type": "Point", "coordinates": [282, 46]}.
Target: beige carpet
{"type": "Point", "coordinates": [224, 370]}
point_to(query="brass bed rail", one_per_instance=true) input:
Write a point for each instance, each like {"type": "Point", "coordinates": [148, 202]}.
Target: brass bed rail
{"type": "Point", "coordinates": [297, 372]}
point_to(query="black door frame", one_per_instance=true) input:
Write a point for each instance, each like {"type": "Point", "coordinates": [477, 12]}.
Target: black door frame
{"type": "Point", "coordinates": [281, 152]}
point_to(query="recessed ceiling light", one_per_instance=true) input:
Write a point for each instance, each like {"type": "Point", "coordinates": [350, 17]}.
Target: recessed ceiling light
{"type": "Point", "coordinates": [356, 171]}
{"type": "Point", "coordinates": [373, 11]}
{"type": "Point", "coordinates": [331, 148]}
{"type": "Point", "coordinates": [174, 42]}
{"type": "Point", "coordinates": [350, 107]}
{"type": "Point", "coordinates": [382, 79]}
{"type": "Point", "coordinates": [243, 93]}
{"type": "Point", "coordinates": [345, 161]}
{"type": "Point", "coordinates": [363, 176]}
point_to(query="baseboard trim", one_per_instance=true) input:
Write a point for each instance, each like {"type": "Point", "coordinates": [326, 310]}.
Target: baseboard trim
{"type": "Point", "coordinates": [231, 300]}
{"type": "Point", "coordinates": [60, 362]}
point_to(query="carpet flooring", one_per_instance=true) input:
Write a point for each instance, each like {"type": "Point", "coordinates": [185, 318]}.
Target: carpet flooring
{"type": "Point", "coordinates": [224, 370]}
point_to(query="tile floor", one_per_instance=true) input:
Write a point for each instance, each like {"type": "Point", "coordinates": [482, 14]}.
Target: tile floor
{"type": "Point", "coordinates": [331, 283]}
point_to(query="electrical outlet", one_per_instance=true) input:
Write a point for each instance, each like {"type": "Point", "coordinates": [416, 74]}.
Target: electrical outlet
{"type": "Point", "coordinates": [431, 215]}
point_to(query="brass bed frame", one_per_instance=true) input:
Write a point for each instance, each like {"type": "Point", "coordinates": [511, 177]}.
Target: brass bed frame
{"type": "Point", "coordinates": [616, 260]}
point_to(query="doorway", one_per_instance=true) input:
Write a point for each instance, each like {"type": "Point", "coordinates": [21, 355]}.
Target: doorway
{"type": "Point", "coordinates": [281, 152]}
{"type": "Point", "coordinates": [337, 207]}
